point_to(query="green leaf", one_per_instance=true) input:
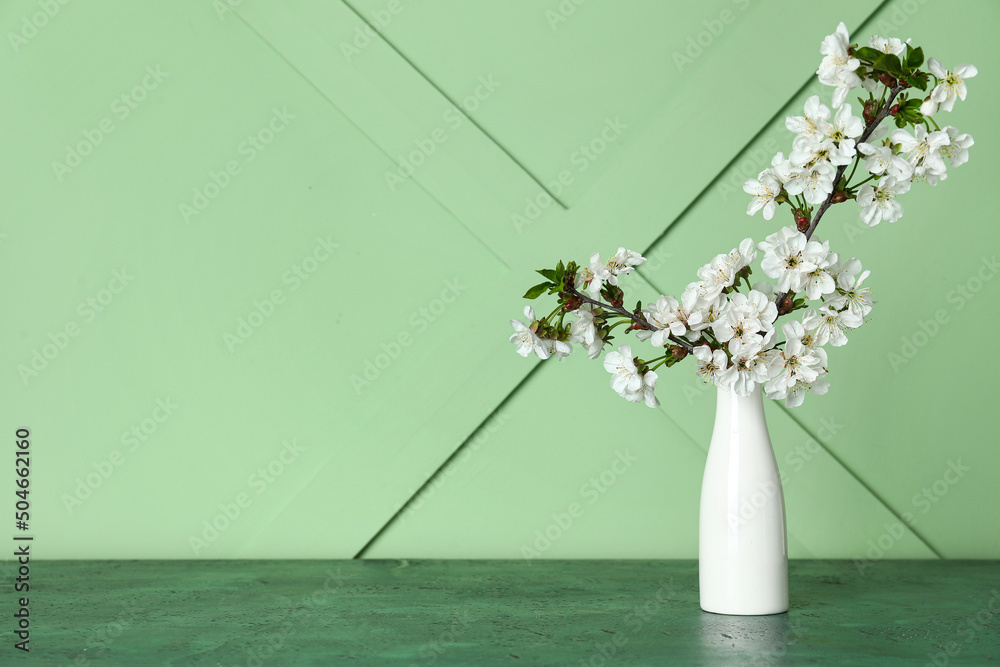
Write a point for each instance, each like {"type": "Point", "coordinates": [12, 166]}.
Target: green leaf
{"type": "Point", "coordinates": [914, 58]}
{"type": "Point", "coordinates": [888, 62]}
{"type": "Point", "coordinates": [548, 273]}
{"type": "Point", "coordinates": [537, 290]}
{"type": "Point", "coordinates": [867, 53]}
{"type": "Point", "coordinates": [917, 82]}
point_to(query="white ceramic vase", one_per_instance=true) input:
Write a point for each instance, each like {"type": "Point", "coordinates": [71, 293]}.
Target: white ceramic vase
{"type": "Point", "coordinates": [742, 552]}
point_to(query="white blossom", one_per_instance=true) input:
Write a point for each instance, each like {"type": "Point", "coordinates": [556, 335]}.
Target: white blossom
{"type": "Point", "coordinates": [789, 175]}
{"type": "Point", "coordinates": [622, 263]}
{"type": "Point", "coordinates": [820, 280]}
{"type": "Point", "coordinates": [817, 182]}
{"type": "Point", "coordinates": [815, 123]}
{"type": "Point", "coordinates": [645, 391]}
{"type": "Point", "coordinates": [806, 337]}
{"type": "Point", "coordinates": [794, 396]}
{"type": "Point", "coordinates": [765, 188]}
{"type": "Point", "coordinates": [624, 375]}
{"type": "Point", "coordinates": [844, 272]}
{"type": "Point", "coordinates": [665, 315]}
{"type": "Point", "coordinates": [527, 341]}
{"type": "Point", "coordinates": [747, 322]}
{"type": "Point", "coordinates": [626, 379]}
{"type": "Point", "coordinates": [879, 203]}
{"type": "Point", "coordinates": [891, 45]}
{"type": "Point", "coordinates": [717, 275]}
{"type": "Point", "coordinates": [710, 362]}
{"type": "Point", "coordinates": [855, 297]}
{"type": "Point", "coordinates": [593, 276]}
{"type": "Point", "coordinates": [744, 255]}
{"type": "Point", "coordinates": [883, 160]}
{"type": "Point", "coordinates": [584, 331]}
{"type": "Point", "coordinates": [710, 310]}
{"type": "Point", "coordinates": [957, 151]}
{"type": "Point", "coordinates": [838, 68]}
{"type": "Point", "coordinates": [845, 129]}
{"type": "Point", "coordinates": [830, 325]}
{"type": "Point", "coordinates": [739, 329]}
{"type": "Point", "coordinates": [759, 304]}
{"type": "Point", "coordinates": [950, 86]}
{"type": "Point", "coordinates": [796, 362]}
{"type": "Point", "coordinates": [748, 369]}
{"type": "Point", "coordinates": [557, 348]}
{"type": "Point", "coordinates": [788, 257]}
{"type": "Point", "coordinates": [923, 149]}
{"type": "Point", "coordinates": [806, 151]}
{"type": "Point", "coordinates": [929, 107]}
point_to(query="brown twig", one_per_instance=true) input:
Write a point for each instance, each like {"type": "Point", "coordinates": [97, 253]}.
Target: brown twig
{"type": "Point", "coordinates": [893, 92]}
{"type": "Point", "coordinates": [621, 311]}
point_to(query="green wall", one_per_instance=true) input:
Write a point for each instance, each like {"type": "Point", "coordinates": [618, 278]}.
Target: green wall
{"type": "Point", "coordinates": [260, 258]}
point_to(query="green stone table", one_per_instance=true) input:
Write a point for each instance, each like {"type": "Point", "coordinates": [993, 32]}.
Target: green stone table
{"type": "Point", "coordinates": [376, 612]}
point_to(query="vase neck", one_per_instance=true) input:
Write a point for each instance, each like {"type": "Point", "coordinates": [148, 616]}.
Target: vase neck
{"type": "Point", "coordinates": [733, 410]}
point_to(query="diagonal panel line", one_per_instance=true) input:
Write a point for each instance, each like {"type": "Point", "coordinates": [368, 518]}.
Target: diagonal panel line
{"type": "Point", "coordinates": [363, 133]}
{"type": "Point", "coordinates": [459, 107]}
{"type": "Point", "coordinates": [451, 457]}
{"type": "Point", "coordinates": [293, 67]}
{"type": "Point", "coordinates": [746, 147]}
{"type": "Point", "coordinates": [867, 487]}
{"type": "Point", "coordinates": [860, 481]}
{"type": "Point", "coordinates": [770, 122]}
{"type": "Point", "coordinates": [454, 455]}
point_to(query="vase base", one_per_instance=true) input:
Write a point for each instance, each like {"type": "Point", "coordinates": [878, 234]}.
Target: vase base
{"type": "Point", "coordinates": [721, 611]}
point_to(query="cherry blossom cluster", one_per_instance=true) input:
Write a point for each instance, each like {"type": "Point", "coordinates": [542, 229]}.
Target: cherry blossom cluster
{"type": "Point", "coordinates": [828, 141]}
{"type": "Point", "coordinates": [730, 326]}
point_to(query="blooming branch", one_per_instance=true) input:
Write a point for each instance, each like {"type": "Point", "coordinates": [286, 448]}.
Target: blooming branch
{"type": "Point", "coordinates": [728, 325]}
{"type": "Point", "coordinates": [882, 115]}
{"type": "Point", "coordinates": [639, 322]}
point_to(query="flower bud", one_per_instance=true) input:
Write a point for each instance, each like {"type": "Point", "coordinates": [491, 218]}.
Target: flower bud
{"type": "Point", "coordinates": [801, 222]}
{"type": "Point", "coordinates": [894, 109]}
{"type": "Point", "coordinates": [786, 305]}
{"type": "Point", "coordinates": [677, 352]}
{"type": "Point", "coordinates": [870, 111]}
{"type": "Point", "coordinates": [839, 196]}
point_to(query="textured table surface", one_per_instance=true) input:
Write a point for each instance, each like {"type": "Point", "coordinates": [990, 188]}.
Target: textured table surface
{"type": "Point", "coordinates": [380, 612]}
